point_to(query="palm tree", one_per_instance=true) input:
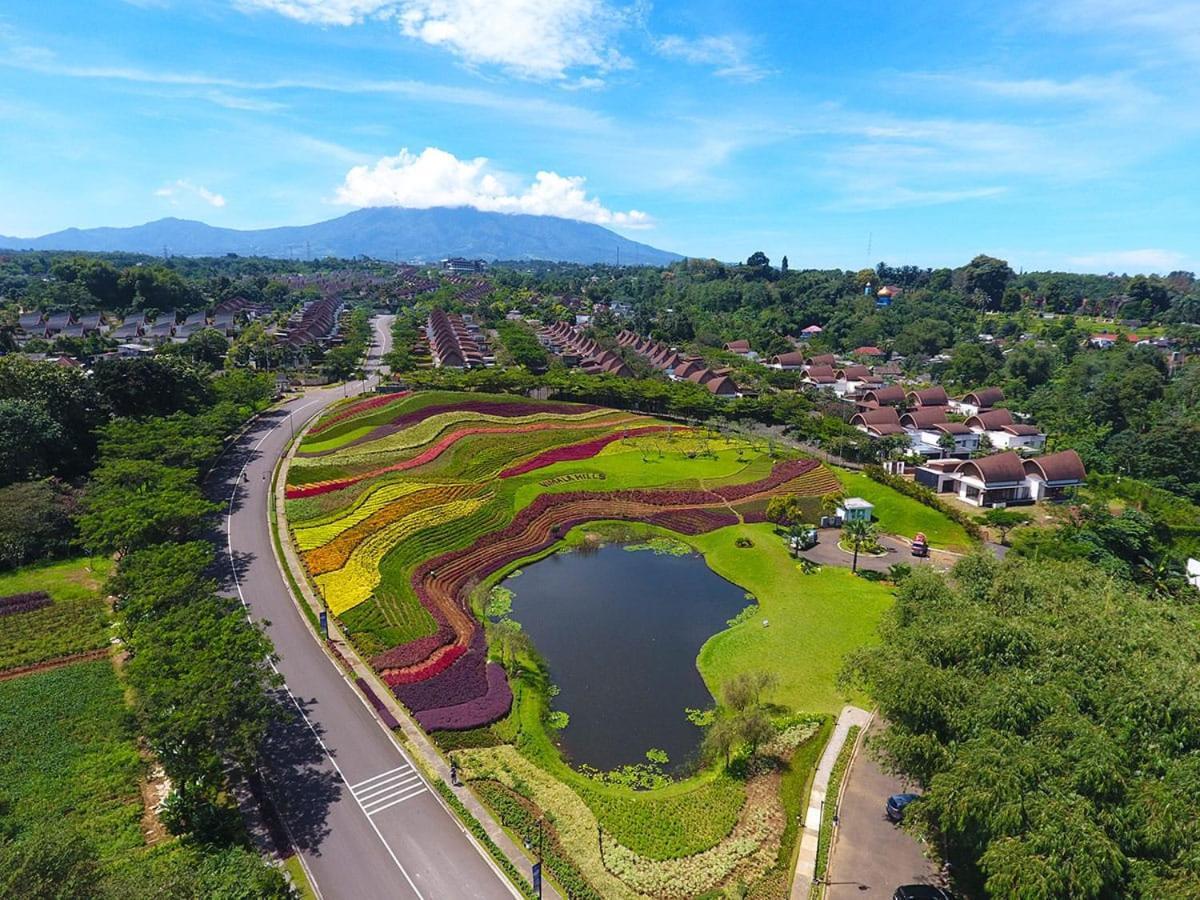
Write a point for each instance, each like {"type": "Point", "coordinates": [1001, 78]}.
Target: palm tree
{"type": "Point", "coordinates": [859, 532]}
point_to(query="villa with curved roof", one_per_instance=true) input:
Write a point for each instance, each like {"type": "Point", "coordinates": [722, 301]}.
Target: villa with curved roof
{"type": "Point", "coordinates": [891, 395]}
{"type": "Point", "coordinates": [883, 415]}
{"type": "Point", "coordinates": [787, 361]}
{"type": "Point", "coordinates": [975, 401]}
{"type": "Point", "coordinates": [934, 396]}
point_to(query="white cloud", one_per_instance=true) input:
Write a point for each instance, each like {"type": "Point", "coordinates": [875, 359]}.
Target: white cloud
{"type": "Point", "coordinates": [437, 178]}
{"type": "Point", "coordinates": [726, 53]}
{"type": "Point", "coordinates": [1145, 260]}
{"type": "Point", "coordinates": [324, 12]}
{"type": "Point", "coordinates": [539, 39]}
{"type": "Point", "coordinates": [181, 188]}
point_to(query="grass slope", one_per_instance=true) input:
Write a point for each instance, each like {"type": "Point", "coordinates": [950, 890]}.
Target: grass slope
{"type": "Point", "coordinates": [904, 516]}
{"type": "Point", "coordinates": [814, 620]}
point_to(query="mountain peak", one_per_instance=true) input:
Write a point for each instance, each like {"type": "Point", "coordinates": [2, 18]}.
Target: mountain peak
{"type": "Point", "coordinates": [383, 232]}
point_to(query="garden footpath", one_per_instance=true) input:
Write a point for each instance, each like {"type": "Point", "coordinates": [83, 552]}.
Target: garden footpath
{"type": "Point", "coordinates": [344, 654]}
{"type": "Point", "coordinates": [806, 861]}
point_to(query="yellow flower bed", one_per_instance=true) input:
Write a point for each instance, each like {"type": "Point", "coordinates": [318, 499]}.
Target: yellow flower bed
{"type": "Point", "coordinates": [313, 536]}
{"type": "Point", "coordinates": [350, 585]}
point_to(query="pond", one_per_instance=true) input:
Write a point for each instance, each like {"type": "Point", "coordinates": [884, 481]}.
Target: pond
{"type": "Point", "coordinates": [620, 631]}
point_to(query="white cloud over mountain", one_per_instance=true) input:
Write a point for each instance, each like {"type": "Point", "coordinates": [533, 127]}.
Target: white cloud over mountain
{"type": "Point", "coordinates": [182, 189]}
{"type": "Point", "coordinates": [437, 178]}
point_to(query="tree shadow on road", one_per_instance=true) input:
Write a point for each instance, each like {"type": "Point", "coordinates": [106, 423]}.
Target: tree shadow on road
{"type": "Point", "coordinates": [301, 778]}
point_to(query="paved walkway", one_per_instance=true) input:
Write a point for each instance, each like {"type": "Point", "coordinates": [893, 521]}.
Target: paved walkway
{"type": "Point", "coordinates": [415, 740]}
{"type": "Point", "coordinates": [870, 856]}
{"type": "Point", "coordinates": [806, 862]}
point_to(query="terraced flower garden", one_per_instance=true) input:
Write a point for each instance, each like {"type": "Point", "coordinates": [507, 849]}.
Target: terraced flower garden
{"type": "Point", "coordinates": [407, 509]}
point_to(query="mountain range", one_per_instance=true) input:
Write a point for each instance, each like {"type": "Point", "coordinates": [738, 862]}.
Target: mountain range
{"type": "Point", "coordinates": [395, 233]}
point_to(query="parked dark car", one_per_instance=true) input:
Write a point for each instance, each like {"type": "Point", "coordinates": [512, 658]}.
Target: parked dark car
{"type": "Point", "coordinates": [921, 892]}
{"type": "Point", "coordinates": [896, 804]}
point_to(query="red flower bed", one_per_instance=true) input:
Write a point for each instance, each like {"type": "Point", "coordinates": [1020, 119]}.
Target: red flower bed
{"type": "Point", "coordinates": [491, 707]}
{"type": "Point", "coordinates": [463, 680]}
{"type": "Point", "coordinates": [22, 603]}
{"type": "Point", "coordinates": [573, 452]}
{"type": "Point", "coordinates": [414, 652]}
{"type": "Point", "coordinates": [355, 408]}
{"type": "Point", "coordinates": [444, 661]}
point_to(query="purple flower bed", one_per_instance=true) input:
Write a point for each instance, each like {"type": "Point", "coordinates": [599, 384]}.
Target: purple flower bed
{"type": "Point", "coordinates": [384, 713]}
{"type": "Point", "coordinates": [465, 680]}
{"type": "Point", "coordinates": [510, 408]}
{"type": "Point", "coordinates": [485, 710]}
{"type": "Point", "coordinates": [573, 452]}
{"type": "Point", "coordinates": [22, 603]}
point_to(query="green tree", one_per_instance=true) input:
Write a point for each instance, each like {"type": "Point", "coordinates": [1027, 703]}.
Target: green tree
{"type": "Point", "coordinates": [1004, 521]}
{"type": "Point", "coordinates": [36, 521]}
{"type": "Point", "coordinates": [203, 680]}
{"type": "Point", "coordinates": [133, 503]}
{"type": "Point", "coordinates": [860, 533]}
{"type": "Point", "coordinates": [207, 346]}
{"type": "Point", "coordinates": [29, 438]}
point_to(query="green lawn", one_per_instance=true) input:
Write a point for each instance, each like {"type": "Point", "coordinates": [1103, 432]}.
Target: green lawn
{"type": "Point", "coordinates": [68, 579]}
{"type": "Point", "coordinates": [76, 621]}
{"type": "Point", "coordinates": [814, 620]}
{"type": "Point", "coordinates": [904, 516]}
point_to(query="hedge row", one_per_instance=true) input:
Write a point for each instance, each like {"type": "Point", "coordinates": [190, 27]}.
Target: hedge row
{"type": "Point", "coordinates": [924, 495]}
{"type": "Point", "coordinates": [480, 834]}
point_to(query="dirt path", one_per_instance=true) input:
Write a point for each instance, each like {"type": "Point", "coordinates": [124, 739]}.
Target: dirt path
{"type": "Point", "coordinates": [47, 664]}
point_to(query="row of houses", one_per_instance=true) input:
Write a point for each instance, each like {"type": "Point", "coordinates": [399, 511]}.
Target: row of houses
{"type": "Point", "coordinates": [455, 341]}
{"type": "Point", "coordinates": [315, 323]}
{"type": "Point", "coordinates": [678, 367]}
{"type": "Point", "coordinates": [924, 417]}
{"type": "Point", "coordinates": [576, 349]}
{"type": "Point", "coordinates": [175, 326]}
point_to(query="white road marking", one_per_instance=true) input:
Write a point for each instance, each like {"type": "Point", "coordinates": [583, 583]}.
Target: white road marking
{"type": "Point", "coordinates": [241, 596]}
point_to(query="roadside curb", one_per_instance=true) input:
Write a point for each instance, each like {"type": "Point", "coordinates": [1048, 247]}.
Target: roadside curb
{"type": "Point", "coordinates": [806, 861]}
{"type": "Point", "coordinates": [342, 654]}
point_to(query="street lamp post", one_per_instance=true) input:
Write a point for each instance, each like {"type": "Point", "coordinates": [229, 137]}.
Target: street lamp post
{"type": "Point", "coordinates": [537, 866]}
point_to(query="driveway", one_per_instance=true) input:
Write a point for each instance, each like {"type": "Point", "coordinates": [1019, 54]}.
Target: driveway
{"type": "Point", "coordinates": [871, 856]}
{"type": "Point", "coordinates": [828, 553]}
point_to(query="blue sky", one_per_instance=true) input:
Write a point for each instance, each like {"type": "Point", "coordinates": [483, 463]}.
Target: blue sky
{"type": "Point", "coordinates": [1059, 134]}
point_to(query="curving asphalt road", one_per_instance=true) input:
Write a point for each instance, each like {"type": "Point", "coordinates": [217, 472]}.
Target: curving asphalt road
{"type": "Point", "coordinates": [364, 820]}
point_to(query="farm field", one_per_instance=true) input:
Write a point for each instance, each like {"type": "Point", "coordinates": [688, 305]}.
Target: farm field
{"type": "Point", "coordinates": [70, 755]}
{"type": "Point", "coordinates": [407, 509]}
{"type": "Point", "coordinates": [74, 621]}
